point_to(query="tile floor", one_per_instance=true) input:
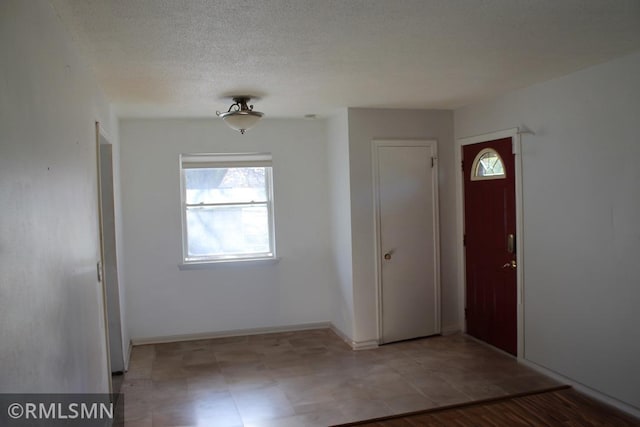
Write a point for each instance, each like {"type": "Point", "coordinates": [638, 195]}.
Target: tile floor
{"type": "Point", "coordinates": [310, 378]}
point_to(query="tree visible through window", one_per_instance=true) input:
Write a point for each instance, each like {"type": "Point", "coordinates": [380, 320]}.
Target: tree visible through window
{"type": "Point", "coordinates": [227, 207]}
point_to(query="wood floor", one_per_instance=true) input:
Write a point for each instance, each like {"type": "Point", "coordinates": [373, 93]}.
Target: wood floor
{"type": "Point", "coordinates": [560, 407]}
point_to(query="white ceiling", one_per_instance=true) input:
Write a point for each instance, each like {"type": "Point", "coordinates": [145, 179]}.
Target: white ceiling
{"type": "Point", "coordinates": [170, 58]}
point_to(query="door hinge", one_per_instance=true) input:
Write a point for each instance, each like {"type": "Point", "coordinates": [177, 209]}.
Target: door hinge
{"type": "Point", "coordinates": [433, 160]}
{"type": "Point", "coordinates": [466, 313]}
{"type": "Point", "coordinates": [99, 271]}
{"type": "Point", "coordinates": [464, 240]}
{"type": "Point", "coordinates": [462, 165]}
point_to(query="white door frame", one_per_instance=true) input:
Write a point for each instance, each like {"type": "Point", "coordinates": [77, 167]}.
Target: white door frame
{"type": "Point", "coordinates": [433, 144]}
{"type": "Point", "coordinates": [100, 133]}
{"type": "Point", "coordinates": [102, 139]}
{"type": "Point", "coordinates": [513, 133]}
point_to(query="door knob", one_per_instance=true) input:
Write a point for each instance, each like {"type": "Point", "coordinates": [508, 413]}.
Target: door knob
{"type": "Point", "coordinates": [387, 256]}
{"type": "Point", "coordinates": [511, 264]}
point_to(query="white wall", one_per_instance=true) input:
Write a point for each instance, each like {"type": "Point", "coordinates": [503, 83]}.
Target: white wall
{"type": "Point", "coordinates": [364, 126]}
{"type": "Point", "coordinates": [342, 315]}
{"type": "Point", "coordinates": [581, 221]}
{"type": "Point", "coordinates": [51, 309]}
{"type": "Point", "coordinates": [164, 301]}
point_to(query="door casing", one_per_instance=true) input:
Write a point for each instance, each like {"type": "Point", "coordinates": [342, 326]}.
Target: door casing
{"type": "Point", "coordinates": [109, 283]}
{"type": "Point", "coordinates": [514, 134]}
{"type": "Point", "coordinates": [433, 144]}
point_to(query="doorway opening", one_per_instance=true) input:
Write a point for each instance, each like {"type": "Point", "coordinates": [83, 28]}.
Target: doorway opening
{"type": "Point", "coordinates": [489, 213]}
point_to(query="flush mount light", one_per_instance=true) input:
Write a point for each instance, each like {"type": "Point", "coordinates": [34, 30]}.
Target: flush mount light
{"type": "Point", "coordinates": [240, 116]}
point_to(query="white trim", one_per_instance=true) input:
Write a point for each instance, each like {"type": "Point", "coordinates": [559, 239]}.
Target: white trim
{"type": "Point", "coordinates": [235, 262]}
{"type": "Point", "coordinates": [230, 333]}
{"type": "Point", "coordinates": [225, 160]}
{"type": "Point", "coordinates": [102, 131]}
{"type": "Point", "coordinates": [491, 346]}
{"type": "Point", "coordinates": [128, 358]}
{"type": "Point", "coordinates": [341, 334]}
{"type": "Point", "coordinates": [355, 345]}
{"type": "Point", "coordinates": [450, 330]}
{"type": "Point", "coordinates": [433, 145]}
{"type": "Point", "coordinates": [517, 150]}
{"type": "Point", "coordinates": [100, 267]}
{"type": "Point", "coordinates": [514, 134]}
{"type": "Point", "coordinates": [364, 345]}
{"type": "Point", "coordinates": [603, 398]}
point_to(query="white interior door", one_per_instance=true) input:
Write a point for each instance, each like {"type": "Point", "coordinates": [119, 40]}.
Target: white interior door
{"type": "Point", "coordinates": [407, 234]}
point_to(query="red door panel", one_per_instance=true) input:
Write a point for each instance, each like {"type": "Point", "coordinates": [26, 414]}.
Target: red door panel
{"type": "Point", "coordinates": [489, 213]}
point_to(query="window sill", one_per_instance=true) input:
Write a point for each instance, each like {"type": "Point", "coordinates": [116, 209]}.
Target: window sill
{"type": "Point", "coordinates": [210, 265]}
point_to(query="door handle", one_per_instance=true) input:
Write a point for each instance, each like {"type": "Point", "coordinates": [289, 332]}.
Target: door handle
{"type": "Point", "coordinates": [387, 255]}
{"type": "Point", "coordinates": [512, 264]}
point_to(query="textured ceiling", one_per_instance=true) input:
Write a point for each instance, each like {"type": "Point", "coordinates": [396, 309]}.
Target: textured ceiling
{"type": "Point", "coordinates": [176, 58]}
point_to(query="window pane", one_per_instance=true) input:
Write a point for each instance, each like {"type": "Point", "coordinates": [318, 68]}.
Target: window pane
{"type": "Point", "coordinates": [225, 185]}
{"type": "Point", "coordinates": [490, 164]}
{"type": "Point", "coordinates": [227, 230]}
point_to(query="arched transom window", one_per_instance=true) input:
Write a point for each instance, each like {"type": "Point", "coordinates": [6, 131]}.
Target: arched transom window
{"type": "Point", "coordinates": [487, 165]}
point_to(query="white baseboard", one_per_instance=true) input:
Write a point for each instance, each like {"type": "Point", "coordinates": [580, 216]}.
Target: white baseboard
{"type": "Point", "coordinates": [128, 358]}
{"type": "Point", "coordinates": [492, 347]}
{"type": "Point", "coordinates": [341, 334]}
{"type": "Point", "coordinates": [450, 330]}
{"type": "Point", "coordinates": [355, 345]}
{"type": "Point", "coordinates": [596, 395]}
{"type": "Point", "coordinates": [364, 345]}
{"type": "Point", "coordinates": [230, 333]}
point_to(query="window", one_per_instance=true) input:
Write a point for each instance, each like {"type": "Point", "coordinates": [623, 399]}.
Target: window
{"type": "Point", "coordinates": [227, 207]}
{"type": "Point", "coordinates": [487, 165]}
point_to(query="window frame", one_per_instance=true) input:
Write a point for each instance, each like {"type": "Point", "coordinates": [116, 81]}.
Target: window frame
{"type": "Point", "coordinates": [226, 160]}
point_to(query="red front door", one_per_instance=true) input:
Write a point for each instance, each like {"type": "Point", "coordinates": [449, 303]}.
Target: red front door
{"type": "Point", "coordinates": [490, 227]}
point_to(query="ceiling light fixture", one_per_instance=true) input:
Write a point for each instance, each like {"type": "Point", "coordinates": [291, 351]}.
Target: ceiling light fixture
{"type": "Point", "coordinates": [240, 116]}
